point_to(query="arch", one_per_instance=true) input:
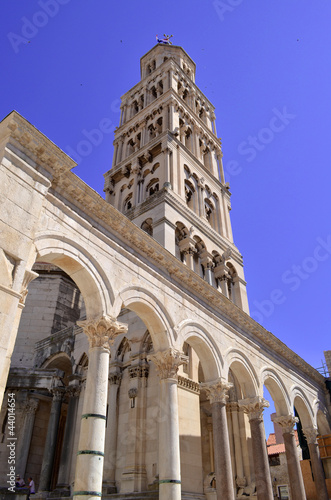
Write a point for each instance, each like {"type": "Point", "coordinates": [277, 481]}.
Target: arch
{"type": "Point", "coordinates": [302, 406]}
{"type": "Point", "coordinates": [82, 267]}
{"type": "Point", "coordinates": [151, 311]}
{"type": "Point", "coordinates": [204, 345]}
{"type": "Point", "coordinates": [60, 361]}
{"type": "Point", "coordinates": [277, 390]}
{"type": "Point", "coordinates": [243, 370]}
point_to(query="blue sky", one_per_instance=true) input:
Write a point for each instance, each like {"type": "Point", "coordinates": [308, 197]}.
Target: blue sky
{"type": "Point", "coordinates": [266, 68]}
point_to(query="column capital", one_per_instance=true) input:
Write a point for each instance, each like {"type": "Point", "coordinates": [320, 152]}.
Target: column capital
{"type": "Point", "coordinates": [217, 390]}
{"type": "Point", "coordinates": [254, 407]}
{"type": "Point", "coordinates": [101, 332]}
{"type": "Point", "coordinates": [115, 378]}
{"type": "Point", "coordinates": [31, 406]}
{"type": "Point", "coordinates": [73, 391]}
{"type": "Point", "coordinates": [167, 362]}
{"type": "Point", "coordinates": [311, 434]}
{"type": "Point", "coordinates": [286, 422]}
{"type": "Point", "coordinates": [58, 393]}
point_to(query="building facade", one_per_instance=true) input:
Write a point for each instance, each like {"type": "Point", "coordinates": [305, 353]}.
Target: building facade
{"type": "Point", "coordinates": [136, 369]}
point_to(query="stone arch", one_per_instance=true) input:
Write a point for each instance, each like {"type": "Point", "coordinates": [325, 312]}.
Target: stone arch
{"type": "Point", "coordinates": [82, 268]}
{"type": "Point", "coordinates": [204, 345]}
{"type": "Point", "coordinates": [302, 406]}
{"type": "Point", "coordinates": [60, 361]}
{"type": "Point", "coordinates": [277, 391]}
{"type": "Point", "coordinates": [151, 311]}
{"type": "Point", "coordinates": [243, 370]}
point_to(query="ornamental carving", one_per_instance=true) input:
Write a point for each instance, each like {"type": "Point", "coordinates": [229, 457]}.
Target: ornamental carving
{"type": "Point", "coordinates": [73, 391]}
{"type": "Point", "coordinates": [286, 423]}
{"type": "Point", "coordinates": [31, 406]}
{"type": "Point", "coordinates": [311, 434]}
{"type": "Point", "coordinates": [58, 393]}
{"type": "Point", "coordinates": [254, 407]}
{"type": "Point", "coordinates": [115, 378]}
{"type": "Point", "coordinates": [28, 277]}
{"type": "Point", "coordinates": [217, 391]}
{"type": "Point", "coordinates": [101, 332]}
{"type": "Point", "coordinates": [167, 362]}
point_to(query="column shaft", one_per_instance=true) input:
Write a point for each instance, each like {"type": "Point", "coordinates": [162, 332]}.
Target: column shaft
{"type": "Point", "coordinates": [111, 435]}
{"type": "Point", "coordinates": [293, 466]}
{"type": "Point", "coordinates": [318, 471]}
{"type": "Point", "coordinates": [169, 463]}
{"type": "Point", "coordinates": [23, 445]}
{"type": "Point", "coordinates": [260, 458]}
{"type": "Point", "coordinates": [50, 445]}
{"type": "Point", "coordinates": [223, 470]}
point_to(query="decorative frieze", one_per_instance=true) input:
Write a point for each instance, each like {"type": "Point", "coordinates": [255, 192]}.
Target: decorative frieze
{"type": "Point", "coordinates": [101, 332]}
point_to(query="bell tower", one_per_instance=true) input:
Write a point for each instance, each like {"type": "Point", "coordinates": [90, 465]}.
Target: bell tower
{"type": "Point", "coordinates": [167, 174]}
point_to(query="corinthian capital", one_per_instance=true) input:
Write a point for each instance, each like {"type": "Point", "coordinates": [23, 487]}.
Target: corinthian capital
{"type": "Point", "coordinates": [101, 332]}
{"type": "Point", "coordinates": [254, 407]}
{"type": "Point", "coordinates": [311, 434]}
{"type": "Point", "coordinates": [217, 390]}
{"type": "Point", "coordinates": [286, 423]}
{"type": "Point", "coordinates": [167, 362]}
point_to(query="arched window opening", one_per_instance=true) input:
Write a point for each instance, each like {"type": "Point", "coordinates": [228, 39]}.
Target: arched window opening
{"type": "Point", "coordinates": [155, 167]}
{"type": "Point", "coordinates": [189, 195]}
{"type": "Point", "coordinates": [160, 87]}
{"type": "Point", "coordinates": [135, 108]}
{"type": "Point", "coordinates": [230, 282]}
{"type": "Point", "coordinates": [128, 203]}
{"type": "Point", "coordinates": [130, 147]}
{"type": "Point", "coordinates": [153, 187]}
{"type": "Point", "coordinates": [153, 92]}
{"type": "Point", "coordinates": [147, 226]}
{"type": "Point", "coordinates": [188, 138]}
{"type": "Point", "coordinates": [158, 126]}
{"type": "Point", "coordinates": [181, 232]}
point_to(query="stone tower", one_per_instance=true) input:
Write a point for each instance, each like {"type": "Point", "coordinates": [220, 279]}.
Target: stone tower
{"type": "Point", "coordinates": [167, 173]}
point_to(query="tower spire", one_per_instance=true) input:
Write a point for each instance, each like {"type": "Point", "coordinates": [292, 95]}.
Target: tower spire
{"type": "Point", "coordinates": [167, 173]}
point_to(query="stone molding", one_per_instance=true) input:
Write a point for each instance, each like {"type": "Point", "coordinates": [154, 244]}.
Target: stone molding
{"type": "Point", "coordinates": [101, 332]}
{"type": "Point", "coordinates": [58, 393]}
{"type": "Point", "coordinates": [167, 362]}
{"type": "Point", "coordinates": [139, 371]}
{"type": "Point", "coordinates": [286, 423]}
{"type": "Point", "coordinates": [188, 384]}
{"type": "Point", "coordinates": [217, 390]}
{"type": "Point", "coordinates": [311, 434]}
{"type": "Point", "coordinates": [254, 407]}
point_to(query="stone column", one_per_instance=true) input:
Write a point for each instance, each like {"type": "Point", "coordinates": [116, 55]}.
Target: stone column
{"type": "Point", "coordinates": [187, 246]}
{"type": "Point", "coordinates": [167, 363]}
{"type": "Point", "coordinates": [240, 477]}
{"type": "Point", "coordinates": [111, 432]}
{"type": "Point", "coordinates": [207, 263]}
{"type": "Point", "coordinates": [50, 444]}
{"type": "Point", "coordinates": [294, 470]}
{"type": "Point", "coordinates": [316, 463]}
{"type": "Point", "coordinates": [217, 395]}
{"type": "Point", "coordinates": [89, 466]}
{"type": "Point", "coordinates": [254, 407]}
{"type": "Point", "coordinates": [73, 392]}
{"type": "Point", "coordinates": [23, 445]}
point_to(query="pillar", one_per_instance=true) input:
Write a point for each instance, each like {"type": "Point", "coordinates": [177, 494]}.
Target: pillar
{"type": "Point", "coordinates": [254, 407]}
{"type": "Point", "coordinates": [111, 432]}
{"type": "Point", "coordinates": [73, 392]}
{"type": "Point", "coordinates": [240, 476]}
{"type": "Point", "coordinates": [89, 466]}
{"type": "Point", "coordinates": [167, 363]}
{"type": "Point", "coordinates": [50, 444]}
{"type": "Point", "coordinates": [23, 445]}
{"type": "Point", "coordinates": [217, 395]}
{"type": "Point", "coordinates": [293, 465]}
{"type": "Point", "coordinates": [316, 463]}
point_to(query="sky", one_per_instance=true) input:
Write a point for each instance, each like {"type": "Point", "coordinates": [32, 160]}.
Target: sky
{"type": "Point", "coordinates": [266, 68]}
